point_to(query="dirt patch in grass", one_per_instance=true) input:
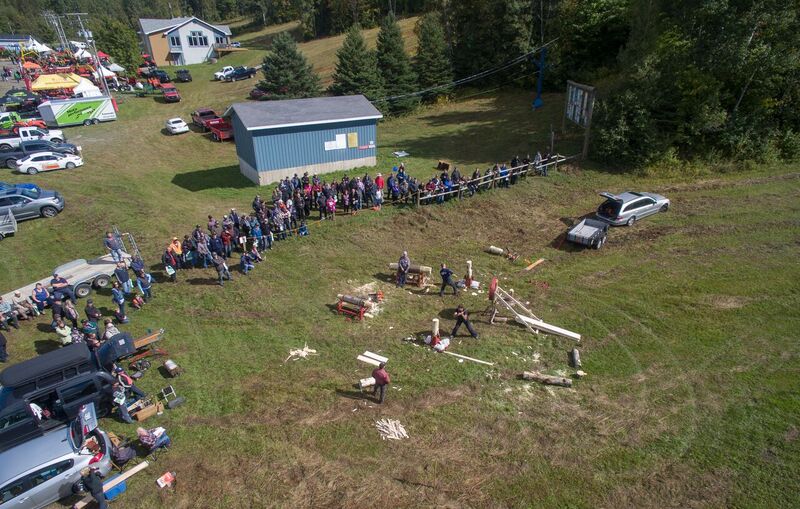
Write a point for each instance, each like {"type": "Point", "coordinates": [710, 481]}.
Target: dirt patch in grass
{"type": "Point", "coordinates": [726, 302]}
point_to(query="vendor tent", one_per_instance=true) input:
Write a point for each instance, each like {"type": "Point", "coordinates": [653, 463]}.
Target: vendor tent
{"type": "Point", "coordinates": [86, 89]}
{"type": "Point", "coordinates": [106, 73]}
{"type": "Point", "coordinates": [115, 67]}
{"type": "Point", "coordinates": [82, 54]}
{"type": "Point", "coordinates": [55, 81]}
{"type": "Point", "coordinates": [31, 65]}
{"type": "Point", "coordinates": [37, 46]}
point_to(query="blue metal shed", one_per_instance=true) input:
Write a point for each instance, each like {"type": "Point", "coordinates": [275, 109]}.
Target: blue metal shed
{"type": "Point", "coordinates": [276, 139]}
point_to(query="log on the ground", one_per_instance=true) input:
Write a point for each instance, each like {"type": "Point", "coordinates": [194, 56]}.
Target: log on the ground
{"type": "Point", "coordinates": [414, 269]}
{"type": "Point", "coordinates": [356, 301]}
{"type": "Point", "coordinates": [574, 358]}
{"type": "Point", "coordinates": [547, 379]}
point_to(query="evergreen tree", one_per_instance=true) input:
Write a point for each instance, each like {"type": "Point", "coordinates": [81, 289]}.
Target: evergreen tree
{"type": "Point", "coordinates": [118, 40]}
{"type": "Point", "coordinates": [287, 74]}
{"type": "Point", "coordinates": [395, 66]}
{"type": "Point", "coordinates": [356, 68]}
{"type": "Point", "coordinates": [432, 63]}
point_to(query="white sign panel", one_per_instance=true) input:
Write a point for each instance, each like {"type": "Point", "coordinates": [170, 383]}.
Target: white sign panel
{"type": "Point", "coordinates": [579, 104]}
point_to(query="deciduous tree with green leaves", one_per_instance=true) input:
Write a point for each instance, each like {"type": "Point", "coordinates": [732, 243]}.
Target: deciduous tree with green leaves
{"type": "Point", "coordinates": [432, 62]}
{"type": "Point", "coordinates": [395, 67]}
{"type": "Point", "coordinates": [118, 40]}
{"type": "Point", "coordinates": [287, 74]}
{"type": "Point", "coordinates": [356, 68]}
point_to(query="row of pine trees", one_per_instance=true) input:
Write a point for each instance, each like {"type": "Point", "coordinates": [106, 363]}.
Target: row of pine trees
{"type": "Point", "coordinates": [387, 75]}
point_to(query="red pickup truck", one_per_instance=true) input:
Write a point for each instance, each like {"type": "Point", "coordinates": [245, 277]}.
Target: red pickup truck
{"type": "Point", "coordinates": [171, 94]}
{"type": "Point", "coordinates": [204, 118]}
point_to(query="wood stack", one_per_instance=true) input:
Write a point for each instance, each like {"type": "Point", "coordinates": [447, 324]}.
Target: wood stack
{"type": "Point", "coordinates": [391, 429]}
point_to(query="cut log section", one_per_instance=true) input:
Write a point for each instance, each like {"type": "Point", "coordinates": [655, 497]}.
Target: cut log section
{"type": "Point", "coordinates": [372, 358]}
{"type": "Point", "coordinates": [547, 379]}
{"type": "Point", "coordinates": [414, 269]}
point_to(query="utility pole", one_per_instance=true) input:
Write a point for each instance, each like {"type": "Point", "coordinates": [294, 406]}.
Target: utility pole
{"type": "Point", "coordinates": [87, 36]}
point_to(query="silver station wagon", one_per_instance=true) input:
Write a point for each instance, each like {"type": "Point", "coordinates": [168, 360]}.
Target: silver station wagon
{"type": "Point", "coordinates": [629, 207]}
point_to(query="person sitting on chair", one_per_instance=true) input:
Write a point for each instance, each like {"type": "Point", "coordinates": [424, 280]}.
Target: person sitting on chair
{"type": "Point", "coordinates": [154, 438]}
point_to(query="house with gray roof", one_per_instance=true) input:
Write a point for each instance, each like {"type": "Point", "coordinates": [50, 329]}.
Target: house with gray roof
{"type": "Point", "coordinates": [182, 41]}
{"type": "Point", "coordinates": [276, 139]}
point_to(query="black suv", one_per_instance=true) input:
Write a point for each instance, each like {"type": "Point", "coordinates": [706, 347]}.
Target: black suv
{"type": "Point", "coordinates": [183, 75]}
{"type": "Point", "coordinates": [58, 382]}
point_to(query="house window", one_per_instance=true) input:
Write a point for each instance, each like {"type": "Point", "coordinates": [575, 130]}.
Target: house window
{"type": "Point", "coordinates": [175, 41]}
{"type": "Point", "coordinates": [219, 39]}
{"type": "Point", "coordinates": [197, 39]}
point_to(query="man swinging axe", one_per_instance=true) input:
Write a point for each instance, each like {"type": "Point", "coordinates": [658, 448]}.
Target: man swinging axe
{"type": "Point", "coordinates": [462, 316]}
{"type": "Point", "coordinates": [447, 280]}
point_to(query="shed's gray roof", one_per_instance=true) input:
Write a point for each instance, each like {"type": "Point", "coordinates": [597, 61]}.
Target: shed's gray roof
{"type": "Point", "coordinates": [150, 25]}
{"type": "Point", "coordinates": [297, 112]}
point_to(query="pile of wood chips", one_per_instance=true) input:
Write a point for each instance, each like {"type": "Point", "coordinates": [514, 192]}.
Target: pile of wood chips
{"type": "Point", "coordinates": [391, 429]}
{"type": "Point", "coordinates": [298, 353]}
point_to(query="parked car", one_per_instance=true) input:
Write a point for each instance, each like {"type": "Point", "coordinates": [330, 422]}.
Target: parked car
{"type": "Point", "coordinates": [203, 116]}
{"type": "Point", "coordinates": [257, 94]}
{"type": "Point", "coordinates": [10, 157]}
{"type": "Point", "coordinates": [241, 73]}
{"type": "Point", "coordinates": [220, 75]}
{"type": "Point", "coordinates": [8, 185]}
{"type": "Point", "coordinates": [160, 75]}
{"type": "Point", "coordinates": [47, 161]}
{"type": "Point", "coordinates": [589, 232]}
{"type": "Point", "coordinates": [27, 203]}
{"type": "Point", "coordinates": [176, 126]}
{"type": "Point", "coordinates": [171, 94]}
{"type": "Point", "coordinates": [629, 207]}
{"type": "Point", "coordinates": [236, 44]}
{"type": "Point", "coordinates": [21, 134]}
{"type": "Point", "coordinates": [183, 75]}
{"type": "Point", "coordinates": [43, 470]}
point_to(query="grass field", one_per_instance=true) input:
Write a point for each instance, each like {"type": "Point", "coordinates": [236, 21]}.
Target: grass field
{"type": "Point", "coordinates": [689, 320]}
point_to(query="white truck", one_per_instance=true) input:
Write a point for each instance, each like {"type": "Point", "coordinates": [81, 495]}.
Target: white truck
{"type": "Point", "coordinates": [223, 73]}
{"type": "Point", "coordinates": [20, 134]}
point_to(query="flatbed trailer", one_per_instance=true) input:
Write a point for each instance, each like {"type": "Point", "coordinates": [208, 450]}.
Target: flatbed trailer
{"type": "Point", "coordinates": [81, 274]}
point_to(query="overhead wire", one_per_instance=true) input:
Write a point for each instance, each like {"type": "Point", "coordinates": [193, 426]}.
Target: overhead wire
{"type": "Point", "coordinates": [468, 79]}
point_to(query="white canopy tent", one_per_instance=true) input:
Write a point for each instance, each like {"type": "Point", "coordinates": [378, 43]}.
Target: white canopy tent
{"type": "Point", "coordinates": [116, 67]}
{"type": "Point", "coordinates": [37, 46]}
{"type": "Point", "coordinates": [106, 72]}
{"type": "Point", "coordinates": [86, 89]}
{"type": "Point", "coordinates": [78, 45]}
{"type": "Point", "coordinates": [82, 54]}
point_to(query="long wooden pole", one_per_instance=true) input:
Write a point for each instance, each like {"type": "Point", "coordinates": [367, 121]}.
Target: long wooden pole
{"type": "Point", "coordinates": [468, 358]}
{"type": "Point", "coordinates": [113, 482]}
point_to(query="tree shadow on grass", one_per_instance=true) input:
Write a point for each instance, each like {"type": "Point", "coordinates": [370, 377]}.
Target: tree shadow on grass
{"type": "Point", "coordinates": [214, 178]}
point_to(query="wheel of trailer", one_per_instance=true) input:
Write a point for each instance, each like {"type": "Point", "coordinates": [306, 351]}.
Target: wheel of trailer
{"type": "Point", "coordinates": [87, 122]}
{"type": "Point", "coordinates": [83, 290]}
{"type": "Point", "coordinates": [95, 121]}
{"type": "Point", "coordinates": [665, 207]}
{"type": "Point", "coordinates": [102, 281]}
{"type": "Point", "coordinates": [631, 221]}
{"type": "Point", "coordinates": [49, 211]}
{"type": "Point", "coordinates": [70, 165]}
{"type": "Point", "coordinates": [31, 171]}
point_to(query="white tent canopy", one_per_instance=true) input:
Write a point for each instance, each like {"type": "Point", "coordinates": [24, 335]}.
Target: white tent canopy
{"type": "Point", "coordinates": [82, 54]}
{"type": "Point", "coordinates": [116, 67]}
{"type": "Point", "coordinates": [37, 46]}
{"type": "Point", "coordinates": [106, 73]}
{"type": "Point", "coordinates": [78, 45]}
{"type": "Point", "coordinates": [86, 89]}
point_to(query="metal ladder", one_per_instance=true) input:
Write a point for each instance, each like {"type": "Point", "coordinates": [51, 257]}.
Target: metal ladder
{"type": "Point", "coordinates": [122, 236]}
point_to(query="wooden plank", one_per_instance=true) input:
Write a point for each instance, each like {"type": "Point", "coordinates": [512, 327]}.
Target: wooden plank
{"type": "Point", "coordinates": [546, 327]}
{"type": "Point", "coordinates": [146, 340]}
{"type": "Point", "coordinates": [535, 264]}
{"type": "Point", "coordinates": [110, 484]}
{"type": "Point", "coordinates": [375, 356]}
{"type": "Point", "coordinates": [468, 358]}
{"type": "Point", "coordinates": [368, 360]}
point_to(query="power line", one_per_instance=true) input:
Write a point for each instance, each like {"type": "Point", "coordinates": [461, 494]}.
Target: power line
{"type": "Point", "coordinates": [468, 79]}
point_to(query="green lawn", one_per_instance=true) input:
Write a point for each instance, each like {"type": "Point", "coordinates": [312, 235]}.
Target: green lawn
{"type": "Point", "coordinates": [689, 322]}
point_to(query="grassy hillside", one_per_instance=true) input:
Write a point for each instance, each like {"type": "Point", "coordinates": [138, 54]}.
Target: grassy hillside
{"type": "Point", "coordinates": [689, 322]}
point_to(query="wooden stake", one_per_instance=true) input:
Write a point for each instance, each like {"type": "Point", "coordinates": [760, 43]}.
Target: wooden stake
{"type": "Point", "coordinates": [534, 264]}
{"type": "Point", "coordinates": [435, 331]}
{"type": "Point", "coordinates": [468, 358]}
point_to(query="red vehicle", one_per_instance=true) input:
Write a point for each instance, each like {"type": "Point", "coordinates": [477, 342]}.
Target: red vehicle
{"type": "Point", "coordinates": [171, 94]}
{"type": "Point", "coordinates": [221, 129]}
{"type": "Point", "coordinates": [203, 116]}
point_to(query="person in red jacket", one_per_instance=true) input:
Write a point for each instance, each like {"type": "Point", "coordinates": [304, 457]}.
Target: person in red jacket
{"type": "Point", "coordinates": [379, 181]}
{"type": "Point", "coordinates": [381, 381]}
